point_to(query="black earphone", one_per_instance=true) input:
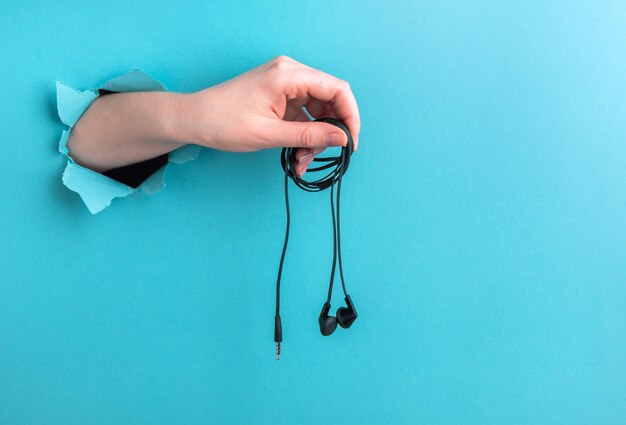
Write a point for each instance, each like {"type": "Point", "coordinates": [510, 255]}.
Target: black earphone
{"type": "Point", "coordinates": [337, 167]}
{"type": "Point", "coordinates": [344, 318]}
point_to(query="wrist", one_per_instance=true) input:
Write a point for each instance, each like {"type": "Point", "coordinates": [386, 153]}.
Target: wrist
{"type": "Point", "coordinates": [186, 122]}
{"type": "Point", "coordinates": [173, 116]}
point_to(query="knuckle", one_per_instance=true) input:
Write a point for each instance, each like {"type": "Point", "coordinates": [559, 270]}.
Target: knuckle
{"type": "Point", "coordinates": [279, 63]}
{"type": "Point", "coordinates": [345, 85]}
{"type": "Point", "coordinates": [307, 137]}
{"type": "Point", "coordinates": [282, 58]}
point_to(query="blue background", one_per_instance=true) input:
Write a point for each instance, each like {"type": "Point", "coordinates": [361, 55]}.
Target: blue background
{"type": "Point", "coordinates": [484, 223]}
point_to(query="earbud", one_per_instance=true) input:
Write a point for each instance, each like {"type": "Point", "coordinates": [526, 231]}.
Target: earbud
{"type": "Point", "coordinates": [346, 315]}
{"type": "Point", "coordinates": [328, 324]}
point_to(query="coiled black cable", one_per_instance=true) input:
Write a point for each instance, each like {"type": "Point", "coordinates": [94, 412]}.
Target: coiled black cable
{"type": "Point", "coordinates": [337, 167]}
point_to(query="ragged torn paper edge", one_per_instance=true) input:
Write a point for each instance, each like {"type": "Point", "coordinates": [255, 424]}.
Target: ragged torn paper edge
{"type": "Point", "coordinates": [95, 189]}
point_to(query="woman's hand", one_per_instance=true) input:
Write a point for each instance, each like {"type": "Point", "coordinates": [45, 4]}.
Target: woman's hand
{"type": "Point", "coordinates": [260, 109]}
{"type": "Point", "coordinates": [263, 109]}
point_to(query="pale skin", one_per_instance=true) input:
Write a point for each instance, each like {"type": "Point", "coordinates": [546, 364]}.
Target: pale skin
{"type": "Point", "coordinates": [259, 109]}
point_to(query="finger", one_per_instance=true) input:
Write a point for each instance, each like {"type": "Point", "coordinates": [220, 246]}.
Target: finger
{"type": "Point", "coordinates": [300, 169]}
{"type": "Point", "coordinates": [293, 109]}
{"type": "Point", "coordinates": [318, 108]}
{"type": "Point", "coordinates": [300, 116]}
{"type": "Point", "coordinates": [302, 134]}
{"type": "Point", "coordinates": [301, 153]}
{"type": "Point", "coordinates": [325, 87]}
{"type": "Point", "coordinates": [304, 157]}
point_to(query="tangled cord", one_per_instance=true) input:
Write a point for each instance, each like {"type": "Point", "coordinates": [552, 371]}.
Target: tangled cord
{"type": "Point", "coordinates": [337, 166]}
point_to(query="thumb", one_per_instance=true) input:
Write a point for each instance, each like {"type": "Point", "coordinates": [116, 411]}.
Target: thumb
{"type": "Point", "coordinates": [305, 134]}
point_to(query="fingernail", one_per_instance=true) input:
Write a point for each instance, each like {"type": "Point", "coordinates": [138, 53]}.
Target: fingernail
{"type": "Point", "coordinates": [300, 169]}
{"type": "Point", "coordinates": [335, 139]}
{"type": "Point", "coordinates": [306, 158]}
{"type": "Point", "coordinates": [302, 152]}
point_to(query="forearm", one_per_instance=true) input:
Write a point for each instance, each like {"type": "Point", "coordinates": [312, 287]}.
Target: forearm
{"type": "Point", "coordinates": [125, 128]}
{"type": "Point", "coordinates": [260, 109]}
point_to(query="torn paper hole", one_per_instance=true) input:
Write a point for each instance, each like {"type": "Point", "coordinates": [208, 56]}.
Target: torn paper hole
{"type": "Point", "coordinates": [95, 189]}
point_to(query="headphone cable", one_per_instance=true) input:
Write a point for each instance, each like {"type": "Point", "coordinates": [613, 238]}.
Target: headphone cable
{"type": "Point", "coordinates": [334, 176]}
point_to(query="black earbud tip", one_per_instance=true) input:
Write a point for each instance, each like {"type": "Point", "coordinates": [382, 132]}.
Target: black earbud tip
{"type": "Point", "coordinates": [328, 326]}
{"type": "Point", "coordinates": [345, 317]}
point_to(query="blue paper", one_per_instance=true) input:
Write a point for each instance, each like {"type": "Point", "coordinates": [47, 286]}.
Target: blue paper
{"type": "Point", "coordinates": [95, 189]}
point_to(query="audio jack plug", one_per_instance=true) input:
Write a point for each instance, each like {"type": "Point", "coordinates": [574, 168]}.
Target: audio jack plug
{"type": "Point", "coordinates": [278, 335]}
